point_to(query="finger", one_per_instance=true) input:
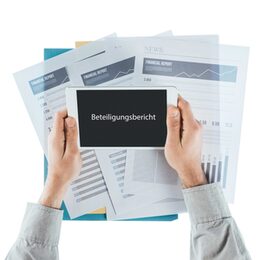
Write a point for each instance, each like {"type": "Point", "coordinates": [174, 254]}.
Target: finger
{"type": "Point", "coordinates": [71, 135]}
{"type": "Point", "coordinates": [58, 125]}
{"type": "Point", "coordinates": [186, 113]}
{"type": "Point", "coordinates": [173, 125]}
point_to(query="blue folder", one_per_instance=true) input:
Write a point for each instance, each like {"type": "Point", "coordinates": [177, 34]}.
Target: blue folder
{"type": "Point", "coordinates": [49, 53]}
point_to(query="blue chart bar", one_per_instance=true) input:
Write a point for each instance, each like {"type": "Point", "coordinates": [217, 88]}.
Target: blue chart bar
{"type": "Point", "coordinates": [219, 171]}
{"type": "Point", "coordinates": [216, 172]}
{"type": "Point", "coordinates": [192, 70]}
{"type": "Point", "coordinates": [207, 171]}
{"type": "Point", "coordinates": [225, 172]}
{"type": "Point", "coordinates": [203, 166]}
{"type": "Point", "coordinates": [213, 173]}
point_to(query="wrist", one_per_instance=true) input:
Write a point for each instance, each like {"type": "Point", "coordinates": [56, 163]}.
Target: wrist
{"type": "Point", "coordinates": [53, 192]}
{"type": "Point", "coordinates": [193, 178]}
{"type": "Point", "coordinates": [60, 176]}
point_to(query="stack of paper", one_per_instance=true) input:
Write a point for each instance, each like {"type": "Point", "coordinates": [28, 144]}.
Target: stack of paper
{"type": "Point", "coordinates": [139, 183]}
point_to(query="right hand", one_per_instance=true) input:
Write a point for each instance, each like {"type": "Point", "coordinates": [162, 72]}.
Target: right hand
{"type": "Point", "coordinates": [63, 151]}
{"type": "Point", "coordinates": [183, 144]}
{"type": "Point", "coordinates": [63, 157]}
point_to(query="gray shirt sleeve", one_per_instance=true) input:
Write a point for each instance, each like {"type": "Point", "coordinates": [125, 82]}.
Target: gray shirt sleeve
{"type": "Point", "coordinates": [39, 234]}
{"type": "Point", "coordinates": [214, 233]}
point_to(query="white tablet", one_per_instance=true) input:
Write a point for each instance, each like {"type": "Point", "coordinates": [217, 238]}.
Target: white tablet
{"type": "Point", "coordinates": [120, 117]}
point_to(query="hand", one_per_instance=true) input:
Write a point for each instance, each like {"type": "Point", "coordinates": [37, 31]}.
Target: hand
{"type": "Point", "coordinates": [184, 143]}
{"type": "Point", "coordinates": [63, 159]}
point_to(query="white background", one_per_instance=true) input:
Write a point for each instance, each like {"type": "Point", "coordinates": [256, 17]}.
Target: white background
{"type": "Point", "coordinates": [29, 26]}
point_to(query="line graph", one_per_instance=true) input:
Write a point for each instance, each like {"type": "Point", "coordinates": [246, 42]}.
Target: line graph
{"type": "Point", "coordinates": [203, 73]}
{"type": "Point", "coordinates": [122, 73]}
{"type": "Point", "coordinates": [192, 70]}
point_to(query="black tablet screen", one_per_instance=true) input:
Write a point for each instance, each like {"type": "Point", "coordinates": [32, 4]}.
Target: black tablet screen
{"type": "Point", "coordinates": [122, 118]}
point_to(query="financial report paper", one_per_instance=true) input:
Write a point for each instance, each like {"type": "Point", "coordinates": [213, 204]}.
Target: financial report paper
{"type": "Point", "coordinates": [212, 78]}
{"type": "Point", "coordinates": [134, 205]}
{"type": "Point", "coordinates": [119, 68]}
{"type": "Point", "coordinates": [42, 87]}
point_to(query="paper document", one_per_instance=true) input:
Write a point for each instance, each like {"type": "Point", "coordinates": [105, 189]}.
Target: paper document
{"type": "Point", "coordinates": [116, 71]}
{"type": "Point", "coordinates": [113, 164]}
{"type": "Point", "coordinates": [212, 79]}
{"type": "Point", "coordinates": [88, 192]}
{"type": "Point", "coordinates": [79, 44]}
{"type": "Point", "coordinates": [140, 183]}
{"type": "Point", "coordinates": [42, 87]}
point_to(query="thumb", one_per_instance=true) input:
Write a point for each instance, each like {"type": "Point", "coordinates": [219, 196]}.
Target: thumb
{"type": "Point", "coordinates": [71, 135]}
{"type": "Point", "coordinates": [173, 125]}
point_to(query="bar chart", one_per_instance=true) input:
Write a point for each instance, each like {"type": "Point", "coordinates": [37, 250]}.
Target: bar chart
{"type": "Point", "coordinates": [216, 169]}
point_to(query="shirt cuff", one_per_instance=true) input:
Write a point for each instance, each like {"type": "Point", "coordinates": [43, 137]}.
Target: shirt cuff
{"type": "Point", "coordinates": [41, 224]}
{"type": "Point", "coordinates": [206, 203]}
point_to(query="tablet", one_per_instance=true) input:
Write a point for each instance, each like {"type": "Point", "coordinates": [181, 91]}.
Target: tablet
{"type": "Point", "coordinates": [120, 117]}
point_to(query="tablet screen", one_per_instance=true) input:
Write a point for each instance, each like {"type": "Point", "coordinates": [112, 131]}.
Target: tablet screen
{"type": "Point", "coordinates": [122, 118]}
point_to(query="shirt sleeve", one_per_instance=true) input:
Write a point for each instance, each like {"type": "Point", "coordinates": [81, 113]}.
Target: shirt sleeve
{"type": "Point", "coordinates": [39, 234]}
{"type": "Point", "coordinates": [214, 233]}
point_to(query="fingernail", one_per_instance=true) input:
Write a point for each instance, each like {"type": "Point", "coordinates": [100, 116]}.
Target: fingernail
{"type": "Point", "coordinates": [70, 122]}
{"type": "Point", "coordinates": [180, 99]}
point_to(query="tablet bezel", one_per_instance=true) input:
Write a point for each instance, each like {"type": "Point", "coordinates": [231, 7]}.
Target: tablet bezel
{"type": "Point", "coordinates": [72, 107]}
